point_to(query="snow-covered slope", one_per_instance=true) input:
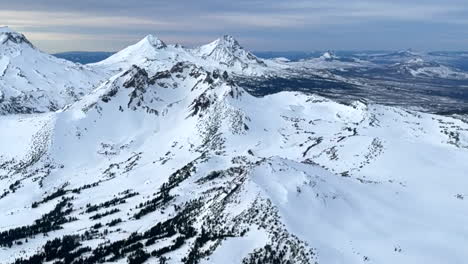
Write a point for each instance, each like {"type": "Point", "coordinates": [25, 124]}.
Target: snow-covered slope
{"type": "Point", "coordinates": [32, 81]}
{"type": "Point", "coordinates": [184, 166]}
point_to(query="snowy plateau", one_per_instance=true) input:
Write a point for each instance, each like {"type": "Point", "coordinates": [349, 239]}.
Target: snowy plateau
{"type": "Point", "coordinates": [164, 154]}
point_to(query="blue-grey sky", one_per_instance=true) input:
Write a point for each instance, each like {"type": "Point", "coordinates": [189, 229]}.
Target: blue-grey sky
{"type": "Point", "coordinates": [262, 25]}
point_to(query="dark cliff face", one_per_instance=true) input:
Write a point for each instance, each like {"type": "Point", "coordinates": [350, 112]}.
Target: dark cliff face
{"type": "Point", "coordinates": [138, 78]}
{"type": "Point", "coordinates": [15, 38]}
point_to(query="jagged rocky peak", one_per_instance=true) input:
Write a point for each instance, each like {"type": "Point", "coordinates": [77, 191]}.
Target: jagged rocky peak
{"type": "Point", "coordinates": [8, 36]}
{"type": "Point", "coordinates": [227, 51]}
{"type": "Point", "coordinates": [229, 41]}
{"type": "Point", "coordinates": [146, 91]}
{"type": "Point", "coordinates": [153, 41]}
{"type": "Point", "coordinates": [138, 77]}
{"type": "Point", "coordinates": [135, 81]}
{"type": "Point", "coordinates": [195, 71]}
{"type": "Point", "coordinates": [135, 77]}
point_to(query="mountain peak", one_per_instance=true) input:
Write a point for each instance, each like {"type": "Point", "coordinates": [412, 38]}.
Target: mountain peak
{"type": "Point", "coordinates": [227, 41]}
{"type": "Point", "coordinates": [228, 52]}
{"type": "Point", "coordinates": [147, 50]}
{"type": "Point", "coordinates": [9, 36]}
{"type": "Point", "coordinates": [153, 41]}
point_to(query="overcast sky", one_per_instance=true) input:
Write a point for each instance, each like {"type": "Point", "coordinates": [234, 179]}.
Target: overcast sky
{"type": "Point", "coordinates": [262, 25]}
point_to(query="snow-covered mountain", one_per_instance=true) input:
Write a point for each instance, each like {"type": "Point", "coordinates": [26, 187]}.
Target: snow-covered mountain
{"type": "Point", "coordinates": [150, 53]}
{"type": "Point", "coordinates": [184, 166]}
{"type": "Point", "coordinates": [32, 81]}
{"type": "Point", "coordinates": [227, 52]}
{"type": "Point", "coordinates": [170, 160]}
{"type": "Point", "coordinates": [154, 55]}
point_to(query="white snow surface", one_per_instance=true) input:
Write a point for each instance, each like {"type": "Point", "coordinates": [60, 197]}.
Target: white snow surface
{"type": "Point", "coordinates": [196, 169]}
{"type": "Point", "coordinates": [339, 183]}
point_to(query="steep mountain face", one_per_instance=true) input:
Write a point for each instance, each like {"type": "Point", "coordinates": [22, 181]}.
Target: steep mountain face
{"type": "Point", "coordinates": [183, 166]}
{"type": "Point", "coordinates": [32, 81]}
{"type": "Point", "coordinates": [8, 37]}
{"type": "Point", "coordinates": [227, 52]}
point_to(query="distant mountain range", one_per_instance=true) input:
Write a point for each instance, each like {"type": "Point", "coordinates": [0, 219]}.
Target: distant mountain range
{"type": "Point", "coordinates": [85, 57]}
{"type": "Point", "coordinates": [166, 154]}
